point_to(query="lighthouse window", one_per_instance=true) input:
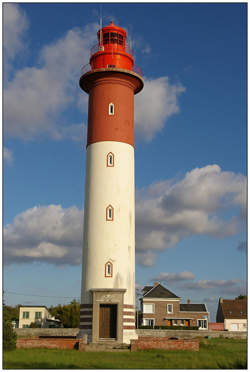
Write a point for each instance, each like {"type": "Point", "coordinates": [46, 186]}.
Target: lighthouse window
{"type": "Point", "coordinates": [108, 269]}
{"type": "Point", "coordinates": [120, 39]}
{"type": "Point", "coordinates": [109, 213]}
{"type": "Point", "coordinates": [113, 37]}
{"type": "Point", "coordinates": [111, 109]}
{"type": "Point", "coordinates": [110, 159]}
{"type": "Point", "coordinates": [105, 38]}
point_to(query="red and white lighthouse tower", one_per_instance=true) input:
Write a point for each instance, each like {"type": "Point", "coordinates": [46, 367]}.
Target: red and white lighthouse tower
{"type": "Point", "coordinates": [107, 308]}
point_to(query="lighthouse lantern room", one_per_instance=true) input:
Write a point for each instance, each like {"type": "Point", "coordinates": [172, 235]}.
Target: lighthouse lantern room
{"type": "Point", "coordinates": [107, 310]}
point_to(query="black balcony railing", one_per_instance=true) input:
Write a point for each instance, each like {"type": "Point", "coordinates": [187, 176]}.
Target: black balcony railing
{"type": "Point", "coordinates": [86, 68]}
{"type": "Point", "coordinates": [116, 47]}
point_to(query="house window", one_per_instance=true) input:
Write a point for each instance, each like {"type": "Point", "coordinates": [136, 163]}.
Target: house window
{"type": "Point", "coordinates": [109, 213]}
{"type": "Point", "coordinates": [182, 323]}
{"type": "Point", "coordinates": [25, 326]}
{"type": "Point", "coordinates": [38, 315]}
{"type": "Point", "coordinates": [108, 270]}
{"type": "Point", "coordinates": [26, 315]}
{"type": "Point", "coordinates": [111, 109]}
{"type": "Point", "coordinates": [202, 323]}
{"type": "Point", "coordinates": [110, 159]}
{"type": "Point", "coordinates": [175, 322]}
{"type": "Point", "coordinates": [148, 308]}
{"type": "Point", "coordinates": [148, 322]}
{"type": "Point", "coordinates": [169, 308]}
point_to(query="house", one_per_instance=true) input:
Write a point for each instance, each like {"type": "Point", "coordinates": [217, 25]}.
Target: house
{"type": "Point", "coordinates": [233, 313]}
{"type": "Point", "coordinates": [161, 307]}
{"type": "Point", "coordinates": [36, 314]}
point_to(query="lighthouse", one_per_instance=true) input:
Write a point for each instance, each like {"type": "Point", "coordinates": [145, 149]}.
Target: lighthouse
{"type": "Point", "coordinates": [107, 309]}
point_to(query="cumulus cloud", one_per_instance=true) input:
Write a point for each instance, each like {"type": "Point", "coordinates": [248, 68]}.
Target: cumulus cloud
{"type": "Point", "coordinates": [36, 97]}
{"type": "Point", "coordinates": [154, 105]}
{"type": "Point", "coordinates": [171, 210]}
{"type": "Point", "coordinates": [206, 284]}
{"type": "Point", "coordinates": [15, 24]}
{"type": "Point", "coordinates": [166, 212]}
{"type": "Point", "coordinates": [46, 234]}
{"type": "Point", "coordinates": [174, 277]}
{"type": "Point", "coordinates": [7, 155]}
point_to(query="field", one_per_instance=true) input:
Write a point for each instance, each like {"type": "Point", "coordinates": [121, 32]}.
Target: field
{"type": "Point", "coordinates": [213, 354]}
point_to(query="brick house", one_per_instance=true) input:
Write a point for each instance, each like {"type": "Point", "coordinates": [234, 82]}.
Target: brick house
{"type": "Point", "coordinates": [161, 307]}
{"type": "Point", "coordinates": [233, 313]}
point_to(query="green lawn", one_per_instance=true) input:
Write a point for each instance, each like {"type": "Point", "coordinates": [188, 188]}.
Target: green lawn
{"type": "Point", "coordinates": [213, 354]}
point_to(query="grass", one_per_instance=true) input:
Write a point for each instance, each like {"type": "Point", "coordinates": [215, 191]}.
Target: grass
{"type": "Point", "coordinates": [213, 354]}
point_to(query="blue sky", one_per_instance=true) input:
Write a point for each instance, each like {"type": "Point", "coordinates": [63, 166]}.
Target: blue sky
{"type": "Point", "coordinates": [190, 151]}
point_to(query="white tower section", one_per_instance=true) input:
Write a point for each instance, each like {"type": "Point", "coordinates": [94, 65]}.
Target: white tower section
{"type": "Point", "coordinates": [109, 238]}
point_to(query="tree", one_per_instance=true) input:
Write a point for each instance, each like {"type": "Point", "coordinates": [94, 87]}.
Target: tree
{"type": "Point", "coordinates": [68, 314]}
{"type": "Point", "coordinates": [241, 297]}
{"type": "Point", "coordinates": [9, 336]}
{"type": "Point", "coordinates": [10, 313]}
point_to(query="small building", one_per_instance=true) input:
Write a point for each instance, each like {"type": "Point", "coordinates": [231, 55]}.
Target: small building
{"type": "Point", "coordinates": [36, 314]}
{"type": "Point", "coordinates": [233, 313]}
{"type": "Point", "coordinates": [161, 307]}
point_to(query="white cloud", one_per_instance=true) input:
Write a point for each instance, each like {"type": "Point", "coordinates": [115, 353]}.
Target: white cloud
{"type": "Point", "coordinates": [15, 24]}
{"type": "Point", "coordinates": [154, 105]}
{"type": "Point", "coordinates": [46, 234]}
{"type": "Point", "coordinates": [211, 299]}
{"type": "Point", "coordinates": [7, 155]}
{"type": "Point", "coordinates": [36, 97]}
{"type": "Point", "coordinates": [162, 220]}
{"type": "Point", "coordinates": [174, 277]}
{"type": "Point", "coordinates": [171, 210]}
{"type": "Point", "coordinates": [206, 284]}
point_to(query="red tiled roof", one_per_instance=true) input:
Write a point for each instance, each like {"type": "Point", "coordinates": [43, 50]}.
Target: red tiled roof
{"type": "Point", "coordinates": [234, 309]}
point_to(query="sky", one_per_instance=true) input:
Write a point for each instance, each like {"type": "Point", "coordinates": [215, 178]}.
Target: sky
{"type": "Point", "coordinates": [190, 147]}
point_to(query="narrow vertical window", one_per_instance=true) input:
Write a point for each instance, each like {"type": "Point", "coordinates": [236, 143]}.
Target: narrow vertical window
{"type": "Point", "coordinates": [111, 109]}
{"type": "Point", "coordinates": [109, 213]}
{"type": "Point", "coordinates": [110, 159]}
{"type": "Point", "coordinates": [108, 269]}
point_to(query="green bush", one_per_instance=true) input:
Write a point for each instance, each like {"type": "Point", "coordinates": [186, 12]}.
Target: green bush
{"type": "Point", "coordinates": [9, 336]}
{"type": "Point", "coordinates": [170, 327]}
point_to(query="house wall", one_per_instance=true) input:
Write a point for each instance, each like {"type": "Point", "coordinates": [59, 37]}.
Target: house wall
{"type": "Point", "coordinates": [50, 343]}
{"type": "Point", "coordinates": [31, 310]}
{"type": "Point", "coordinates": [216, 326]}
{"type": "Point", "coordinates": [232, 325]}
{"type": "Point", "coordinates": [161, 312]}
{"type": "Point", "coordinates": [144, 343]}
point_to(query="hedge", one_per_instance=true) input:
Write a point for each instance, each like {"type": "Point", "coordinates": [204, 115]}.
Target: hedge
{"type": "Point", "coordinates": [195, 328]}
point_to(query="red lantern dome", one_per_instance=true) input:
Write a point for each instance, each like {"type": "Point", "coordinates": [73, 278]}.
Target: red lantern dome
{"type": "Point", "coordinates": [112, 50]}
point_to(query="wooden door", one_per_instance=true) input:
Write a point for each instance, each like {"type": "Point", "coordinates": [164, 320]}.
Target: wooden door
{"type": "Point", "coordinates": [107, 321]}
{"type": "Point", "coordinates": [187, 323]}
{"type": "Point", "coordinates": [169, 322]}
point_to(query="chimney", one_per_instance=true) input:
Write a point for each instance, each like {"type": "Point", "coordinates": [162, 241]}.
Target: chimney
{"type": "Point", "coordinates": [156, 283]}
{"type": "Point", "coordinates": [221, 300]}
{"type": "Point", "coordinates": [188, 300]}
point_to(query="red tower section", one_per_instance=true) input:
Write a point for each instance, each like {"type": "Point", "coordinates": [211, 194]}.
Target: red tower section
{"type": "Point", "coordinates": [111, 84]}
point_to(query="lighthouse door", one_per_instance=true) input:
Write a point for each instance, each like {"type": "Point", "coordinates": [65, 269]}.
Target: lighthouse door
{"type": "Point", "coordinates": [107, 321]}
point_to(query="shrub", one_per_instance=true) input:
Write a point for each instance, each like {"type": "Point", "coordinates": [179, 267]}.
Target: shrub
{"type": "Point", "coordinates": [170, 327]}
{"type": "Point", "coordinates": [9, 336]}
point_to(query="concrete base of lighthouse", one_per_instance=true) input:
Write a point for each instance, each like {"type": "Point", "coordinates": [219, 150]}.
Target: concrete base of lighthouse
{"type": "Point", "coordinates": [111, 320]}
